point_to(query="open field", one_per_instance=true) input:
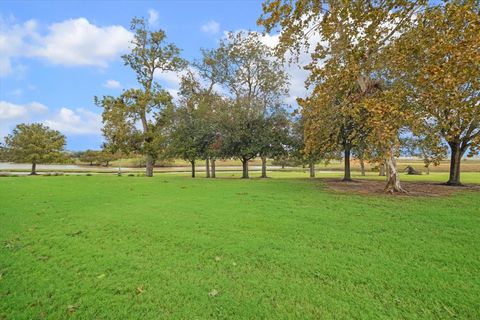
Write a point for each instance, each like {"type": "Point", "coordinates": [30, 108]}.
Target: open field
{"type": "Point", "coordinates": [106, 247]}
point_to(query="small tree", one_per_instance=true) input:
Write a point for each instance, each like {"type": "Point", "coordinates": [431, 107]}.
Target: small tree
{"type": "Point", "coordinates": [89, 156]}
{"type": "Point", "coordinates": [34, 143]}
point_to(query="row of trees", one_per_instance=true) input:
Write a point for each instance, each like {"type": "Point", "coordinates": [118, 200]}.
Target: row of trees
{"type": "Point", "coordinates": [230, 103]}
{"type": "Point", "coordinates": [386, 74]}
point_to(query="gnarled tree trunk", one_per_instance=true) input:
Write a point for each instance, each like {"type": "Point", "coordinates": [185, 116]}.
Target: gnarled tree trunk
{"type": "Point", "coordinates": [393, 178]}
{"type": "Point", "coordinates": [244, 168]}
{"type": "Point", "coordinates": [213, 174]}
{"type": "Point", "coordinates": [192, 162]}
{"type": "Point", "coordinates": [149, 165]}
{"type": "Point", "coordinates": [264, 167]}
{"type": "Point", "coordinates": [311, 167]}
{"type": "Point", "coordinates": [207, 167]}
{"type": "Point", "coordinates": [347, 175]}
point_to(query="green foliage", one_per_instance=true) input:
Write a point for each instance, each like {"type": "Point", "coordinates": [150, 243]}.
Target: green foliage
{"type": "Point", "coordinates": [34, 143]}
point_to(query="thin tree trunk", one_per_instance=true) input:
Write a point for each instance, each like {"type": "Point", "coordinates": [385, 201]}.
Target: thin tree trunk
{"type": "Point", "coordinates": [245, 168]}
{"type": "Point", "coordinates": [192, 162]}
{"type": "Point", "coordinates": [428, 170]}
{"type": "Point", "coordinates": [347, 175]}
{"type": "Point", "coordinates": [381, 169]}
{"type": "Point", "coordinates": [264, 167]}
{"type": "Point", "coordinates": [362, 167]}
{"type": "Point", "coordinates": [207, 167]}
{"type": "Point", "coordinates": [108, 162]}
{"type": "Point", "coordinates": [34, 169]}
{"type": "Point", "coordinates": [393, 178]}
{"type": "Point", "coordinates": [213, 175]}
{"type": "Point", "coordinates": [311, 167]}
{"type": "Point", "coordinates": [149, 165]}
{"type": "Point", "coordinates": [455, 160]}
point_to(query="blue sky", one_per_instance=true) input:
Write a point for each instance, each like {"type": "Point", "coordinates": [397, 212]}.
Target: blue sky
{"type": "Point", "coordinates": [55, 56]}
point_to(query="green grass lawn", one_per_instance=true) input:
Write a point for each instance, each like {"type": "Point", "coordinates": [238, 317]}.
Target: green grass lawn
{"type": "Point", "coordinates": [106, 247]}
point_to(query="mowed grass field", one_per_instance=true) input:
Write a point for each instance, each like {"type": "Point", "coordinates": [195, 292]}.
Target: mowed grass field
{"type": "Point", "coordinates": [172, 247]}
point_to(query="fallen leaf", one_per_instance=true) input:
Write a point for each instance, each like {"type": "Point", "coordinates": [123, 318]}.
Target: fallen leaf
{"type": "Point", "coordinates": [234, 264]}
{"type": "Point", "coordinates": [218, 258]}
{"type": "Point", "coordinates": [72, 308]}
{"type": "Point", "coordinates": [213, 293]}
{"type": "Point", "coordinates": [74, 233]}
{"type": "Point", "coordinates": [101, 276]}
{"type": "Point", "coordinates": [140, 290]}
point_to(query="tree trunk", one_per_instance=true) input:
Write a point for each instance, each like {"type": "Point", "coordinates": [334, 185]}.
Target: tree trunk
{"type": "Point", "coordinates": [347, 176]}
{"type": "Point", "coordinates": [108, 162]}
{"type": "Point", "coordinates": [207, 167]}
{"type": "Point", "coordinates": [149, 165]}
{"type": "Point", "coordinates": [428, 170]}
{"type": "Point", "coordinates": [193, 168]}
{"type": "Point", "coordinates": [381, 169]}
{"type": "Point", "coordinates": [393, 179]}
{"type": "Point", "coordinates": [311, 167]}
{"type": "Point", "coordinates": [213, 175]}
{"type": "Point", "coordinates": [455, 160]}
{"type": "Point", "coordinates": [264, 167]}
{"type": "Point", "coordinates": [283, 165]}
{"type": "Point", "coordinates": [362, 167]}
{"type": "Point", "coordinates": [245, 168]}
{"type": "Point", "coordinates": [34, 169]}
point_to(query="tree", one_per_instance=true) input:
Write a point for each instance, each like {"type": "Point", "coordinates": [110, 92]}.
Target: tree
{"type": "Point", "coordinates": [150, 105]}
{"type": "Point", "coordinates": [274, 138]}
{"type": "Point", "coordinates": [89, 156]}
{"type": "Point", "coordinates": [351, 58]}
{"type": "Point", "coordinates": [297, 145]}
{"type": "Point", "coordinates": [428, 147]}
{"type": "Point", "coordinates": [438, 62]}
{"type": "Point", "coordinates": [256, 83]}
{"type": "Point", "coordinates": [192, 133]}
{"type": "Point", "coordinates": [34, 143]}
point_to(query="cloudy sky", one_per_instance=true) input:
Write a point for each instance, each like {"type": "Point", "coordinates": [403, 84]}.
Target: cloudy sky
{"type": "Point", "coordinates": [55, 56]}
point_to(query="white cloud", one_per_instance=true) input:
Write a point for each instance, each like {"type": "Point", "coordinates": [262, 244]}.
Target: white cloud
{"type": "Point", "coordinates": [13, 42]}
{"type": "Point", "coordinates": [17, 112]}
{"type": "Point", "coordinates": [211, 27]}
{"type": "Point", "coordinates": [112, 84]}
{"type": "Point", "coordinates": [37, 107]}
{"type": "Point", "coordinates": [79, 121]}
{"type": "Point", "coordinates": [11, 111]}
{"type": "Point", "coordinates": [12, 114]}
{"type": "Point", "coordinates": [170, 78]}
{"type": "Point", "coordinates": [153, 18]}
{"type": "Point", "coordinates": [77, 42]}
{"type": "Point", "coordinates": [74, 42]}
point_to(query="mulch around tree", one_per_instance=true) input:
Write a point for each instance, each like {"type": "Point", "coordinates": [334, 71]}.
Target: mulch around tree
{"type": "Point", "coordinates": [415, 189]}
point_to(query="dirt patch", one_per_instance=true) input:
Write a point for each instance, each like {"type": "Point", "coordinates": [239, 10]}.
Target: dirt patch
{"type": "Point", "coordinates": [415, 189]}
